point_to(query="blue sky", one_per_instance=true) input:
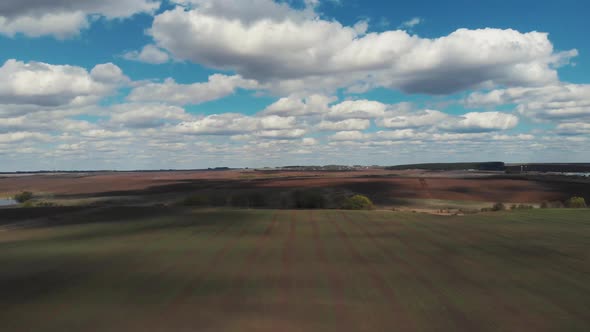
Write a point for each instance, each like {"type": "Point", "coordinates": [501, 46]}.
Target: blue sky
{"type": "Point", "coordinates": [148, 84]}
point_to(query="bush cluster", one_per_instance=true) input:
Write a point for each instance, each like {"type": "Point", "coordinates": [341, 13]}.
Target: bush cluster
{"type": "Point", "coordinates": [499, 207]}
{"type": "Point", "coordinates": [496, 207]}
{"type": "Point", "coordinates": [576, 203]}
{"type": "Point", "coordinates": [33, 204]}
{"type": "Point", "coordinates": [357, 202]}
{"type": "Point", "coordinates": [242, 200]}
{"type": "Point", "coordinates": [521, 207]}
{"type": "Point", "coordinates": [295, 199]}
{"type": "Point", "coordinates": [309, 199]}
{"type": "Point", "coordinates": [23, 196]}
{"type": "Point", "coordinates": [572, 203]}
{"type": "Point", "coordinates": [552, 205]}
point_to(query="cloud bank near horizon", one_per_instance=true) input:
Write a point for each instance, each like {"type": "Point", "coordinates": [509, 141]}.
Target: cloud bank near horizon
{"type": "Point", "coordinates": [482, 94]}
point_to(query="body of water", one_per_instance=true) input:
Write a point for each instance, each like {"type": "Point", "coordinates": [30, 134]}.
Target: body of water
{"type": "Point", "coordinates": [7, 202]}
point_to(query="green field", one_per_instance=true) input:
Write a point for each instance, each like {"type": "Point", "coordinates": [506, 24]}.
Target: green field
{"type": "Point", "coordinates": [263, 270]}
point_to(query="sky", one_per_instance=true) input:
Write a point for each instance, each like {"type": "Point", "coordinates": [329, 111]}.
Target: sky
{"type": "Point", "coordinates": [182, 84]}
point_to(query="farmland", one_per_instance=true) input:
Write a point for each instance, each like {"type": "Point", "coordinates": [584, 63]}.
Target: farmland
{"type": "Point", "coordinates": [410, 189]}
{"type": "Point", "coordinates": [162, 268]}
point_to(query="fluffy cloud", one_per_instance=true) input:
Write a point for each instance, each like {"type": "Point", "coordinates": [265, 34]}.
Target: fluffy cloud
{"type": "Point", "coordinates": [219, 124]}
{"type": "Point", "coordinates": [399, 135]}
{"type": "Point", "coordinates": [314, 104]}
{"type": "Point", "coordinates": [60, 25]}
{"type": "Point", "coordinates": [42, 84]}
{"type": "Point", "coordinates": [104, 134]}
{"type": "Point", "coordinates": [475, 122]}
{"type": "Point", "coordinates": [349, 135]}
{"type": "Point", "coordinates": [308, 141]}
{"type": "Point", "coordinates": [562, 102]}
{"type": "Point", "coordinates": [281, 134]}
{"type": "Point", "coordinates": [360, 109]}
{"type": "Point", "coordinates": [147, 115]}
{"type": "Point", "coordinates": [108, 73]}
{"type": "Point", "coordinates": [250, 11]}
{"type": "Point", "coordinates": [573, 129]}
{"type": "Point", "coordinates": [243, 128]}
{"type": "Point", "coordinates": [409, 24]}
{"type": "Point", "coordinates": [64, 18]}
{"type": "Point", "coordinates": [20, 136]}
{"type": "Point", "coordinates": [306, 48]}
{"type": "Point", "coordinates": [277, 122]}
{"type": "Point", "coordinates": [149, 54]}
{"type": "Point", "coordinates": [412, 120]}
{"type": "Point", "coordinates": [169, 91]}
{"type": "Point", "coordinates": [43, 122]}
{"type": "Point", "coordinates": [236, 124]}
{"type": "Point", "coordinates": [344, 125]}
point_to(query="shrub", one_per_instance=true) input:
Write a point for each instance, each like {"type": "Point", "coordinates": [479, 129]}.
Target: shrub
{"type": "Point", "coordinates": [545, 205]}
{"type": "Point", "coordinates": [556, 205]}
{"type": "Point", "coordinates": [45, 204]}
{"type": "Point", "coordinates": [23, 197]}
{"type": "Point", "coordinates": [357, 202]}
{"type": "Point", "coordinates": [248, 200]}
{"type": "Point", "coordinates": [28, 204]}
{"type": "Point", "coordinates": [499, 207]}
{"type": "Point", "coordinates": [521, 207]}
{"type": "Point", "coordinates": [309, 199]}
{"type": "Point", "coordinates": [576, 203]}
{"type": "Point", "coordinates": [196, 200]}
{"type": "Point", "coordinates": [219, 199]}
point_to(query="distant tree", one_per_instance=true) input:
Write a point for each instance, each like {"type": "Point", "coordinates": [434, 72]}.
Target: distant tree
{"type": "Point", "coordinates": [196, 200]}
{"type": "Point", "coordinates": [576, 203]}
{"type": "Point", "coordinates": [499, 207]}
{"type": "Point", "coordinates": [23, 196]}
{"type": "Point", "coordinates": [308, 199]}
{"type": "Point", "coordinates": [357, 202]}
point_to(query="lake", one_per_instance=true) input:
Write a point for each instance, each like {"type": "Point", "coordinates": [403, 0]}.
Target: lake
{"type": "Point", "coordinates": [7, 202]}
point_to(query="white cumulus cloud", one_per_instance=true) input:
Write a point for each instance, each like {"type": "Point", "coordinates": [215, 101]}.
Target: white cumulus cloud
{"type": "Point", "coordinates": [64, 18]}
{"type": "Point", "coordinates": [148, 54]}
{"type": "Point", "coordinates": [344, 125]}
{"type": "Point", "coordinates": [480, 122]}
{"type": "Point", "coordinates": [292, 50]}
{"type": "Point", "coordinates": [559, 102]}
{"type": "Point", "coordinates": [137, 115]}
{"type": "Point", "coordinates": [218, 86]}
{"type": "Point", "coordinates": [42, 84]}
{"type": "Point", "coordinates": [293, 105]}
{"type": "Point", "coordinates": [412, 119]}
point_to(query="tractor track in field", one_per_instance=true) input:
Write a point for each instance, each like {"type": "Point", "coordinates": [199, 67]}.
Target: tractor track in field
{"type": "Point", "coordinates": [379, 282]}
{"type": "Point", "coordinates": [474, 232]}
{"type": "Point", "coordinates": [232, 301]}
{"type": "Point", "coordinates": [469, 240]}
{"type": "Point", "coordinates": [170, 309]}
{"type": "Point", "coordinates": [213, 261]}
{"type": "Point", "coordinates": [193, 284]}
{"type": "Point", "coordinates": [525, 320]}
{"type": "Point", "coordinates": [62, 309]}
{"type": "Point", "coordinates": [286, 262]}
{"type": "Point", "coordinates": [459, 319]}
{"type": "Point", "coordinates": [336, 283]}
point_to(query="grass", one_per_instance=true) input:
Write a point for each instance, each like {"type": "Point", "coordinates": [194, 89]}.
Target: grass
{"type": "Point", "coordinates": [434, 204]}
{"type": "Point", "coordinates": [265, 270]}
